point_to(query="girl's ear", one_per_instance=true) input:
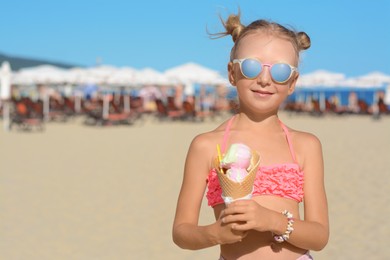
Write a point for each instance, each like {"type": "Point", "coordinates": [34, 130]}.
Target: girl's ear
{"type": "Point", "coordinates": [231, 74]}
{"type": "Point", "coordinates": [291, 87]}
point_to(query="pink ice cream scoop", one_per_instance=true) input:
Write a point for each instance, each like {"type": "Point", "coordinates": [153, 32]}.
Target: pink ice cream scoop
{"type": "Point", "coordinates": [237, 156]}
{"type": "Point", "coordinates": [236, 174]}
{"type": "Point", "coordinates": [237, 161]}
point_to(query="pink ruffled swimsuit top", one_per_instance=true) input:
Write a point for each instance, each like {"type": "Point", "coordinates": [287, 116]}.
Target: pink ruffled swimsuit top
{"type": "Point", "coordinates": [283, 180]}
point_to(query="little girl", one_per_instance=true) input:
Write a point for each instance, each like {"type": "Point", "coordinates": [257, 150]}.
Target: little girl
{"type": "Point", "coordinates": [263, 67]}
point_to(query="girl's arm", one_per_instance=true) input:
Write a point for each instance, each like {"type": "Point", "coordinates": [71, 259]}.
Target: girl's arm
{"type": "Point", "coordinates": [186, 231]}
{"type": "Point", "coordinates": [313, 232]}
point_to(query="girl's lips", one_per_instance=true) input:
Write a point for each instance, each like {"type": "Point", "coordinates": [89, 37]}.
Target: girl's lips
{"type": "Point", "coordinates": [262, 93]}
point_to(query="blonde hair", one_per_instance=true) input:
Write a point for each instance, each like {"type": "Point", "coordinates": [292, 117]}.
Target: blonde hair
{"type": "Point", "coordinates": [234, 27]}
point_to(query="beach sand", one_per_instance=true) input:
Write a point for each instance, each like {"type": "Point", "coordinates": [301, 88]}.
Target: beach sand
{"type": "Point", "coordinates": [79, 192]}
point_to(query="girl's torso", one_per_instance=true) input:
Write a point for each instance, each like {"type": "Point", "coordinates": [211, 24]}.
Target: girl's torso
{"type": "Point", "coordinates": [277, 187]}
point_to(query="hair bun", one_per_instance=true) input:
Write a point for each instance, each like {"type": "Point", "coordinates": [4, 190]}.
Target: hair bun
{"type": "Point", "coordinates": [233, 26]}
{"type": "Point", "coordinates": [303, 40]}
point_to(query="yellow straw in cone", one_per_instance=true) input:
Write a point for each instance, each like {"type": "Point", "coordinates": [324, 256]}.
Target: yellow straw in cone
{"type": "Point", "coordinates": [219, 159]}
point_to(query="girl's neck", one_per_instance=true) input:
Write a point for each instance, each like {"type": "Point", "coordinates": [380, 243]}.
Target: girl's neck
{"type": "Point", "coordinates": [257, 121]}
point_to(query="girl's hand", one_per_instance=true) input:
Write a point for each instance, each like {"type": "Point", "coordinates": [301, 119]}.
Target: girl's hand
{"type": "Point", "coordinates": [244, 215]}
{"type": "Point", "coordinates": [226, 233]}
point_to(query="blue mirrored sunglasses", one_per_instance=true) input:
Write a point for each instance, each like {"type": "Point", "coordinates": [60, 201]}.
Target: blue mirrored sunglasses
{"type": "Point", "coordinates": [251, 68]}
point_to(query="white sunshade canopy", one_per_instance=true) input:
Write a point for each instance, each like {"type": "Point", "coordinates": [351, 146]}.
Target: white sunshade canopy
{"type": "Point", "coordinates": [373, 79]}
{"type": "Point", "coordinates": [125, 76]}
{"type": "Point", "coordinates": [149, 76]}
{"type": "Point", "coordinates": [194, 73]}
{"type": "Point", "coordinates": [43, 74]}
{"type": "Point", "coordinates": [320, 78]}
{"type": "Point", "coordinates": [5, 80]}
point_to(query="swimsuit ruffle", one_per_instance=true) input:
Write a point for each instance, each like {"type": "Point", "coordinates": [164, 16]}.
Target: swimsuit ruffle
{"type": "Point", "coordinates": [284, 180]}
{"type": "Point", "coordinates": [214, 190]}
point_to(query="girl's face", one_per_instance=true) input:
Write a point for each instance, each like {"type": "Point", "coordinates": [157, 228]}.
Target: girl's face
{"type": "Point", "coordinates": [262, 94]}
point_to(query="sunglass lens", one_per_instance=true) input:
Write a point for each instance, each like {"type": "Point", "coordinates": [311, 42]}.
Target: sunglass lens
{"type": "Point", "coordinates": [251, 68]}
{"type": "Point", "coordinates": [280, 72]}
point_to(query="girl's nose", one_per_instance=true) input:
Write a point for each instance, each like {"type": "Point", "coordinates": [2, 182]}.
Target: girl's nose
{"type": "Point", "coordinates": [264, 77]}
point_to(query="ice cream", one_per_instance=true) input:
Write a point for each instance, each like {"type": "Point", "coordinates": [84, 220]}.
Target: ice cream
{"type": "Point", "coordinates": [236, 161]}
{"type": "Point", "coordinates": [237, 156]}
{"type": "Point", "coordinates": [237, 172]}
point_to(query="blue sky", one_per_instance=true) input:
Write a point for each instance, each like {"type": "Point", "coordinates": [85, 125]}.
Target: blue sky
{"type": "Point", "coordinates": [350, 36]}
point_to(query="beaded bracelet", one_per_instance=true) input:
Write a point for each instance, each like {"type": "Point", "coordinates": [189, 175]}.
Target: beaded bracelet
{"type": "Point", "coordinates": [286, 235]}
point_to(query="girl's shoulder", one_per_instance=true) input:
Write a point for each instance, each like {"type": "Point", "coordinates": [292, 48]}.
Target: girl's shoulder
{"type": "Point", "coordinates": [210, 138]}
{"type": "Point", "coordinates": [302, 137]}
{"type": "Point", "coordinates": [203, 147]}
{"type": "Point", "coordinates": [308, 149]}
{"type": "Point", "coordinates": [304, 142]}
{"type": "Point", "coordinates": [212, 135]}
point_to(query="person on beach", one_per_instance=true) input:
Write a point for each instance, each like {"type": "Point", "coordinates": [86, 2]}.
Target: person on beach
{"type": "Point", "coordinates": [263, 68]}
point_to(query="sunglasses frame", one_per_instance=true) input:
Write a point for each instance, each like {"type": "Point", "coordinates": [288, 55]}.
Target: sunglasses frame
{"type": "Point", "coordinates": [269, 65]}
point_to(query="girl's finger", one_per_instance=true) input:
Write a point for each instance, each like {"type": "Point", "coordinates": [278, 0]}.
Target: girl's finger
{"type": "Point", "coordinates": [241, 227]}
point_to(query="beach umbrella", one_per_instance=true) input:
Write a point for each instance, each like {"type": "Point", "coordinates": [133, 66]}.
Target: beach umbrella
{"type": "Point", "coordinates": [42, 74]}
{"type": "Point", "coordinates": [99, 74]}
{"type": "Point", "coordinates": [194, 73]}
{"type": "Point", "coordinates": [372, 79]}
{"type": "Point", "coordinates": [149, 76]}
{"type": "Point", "coordinates": [125, 76]}
{"type": "Point", "coordinates": [5, 93]}
{"type": "Point", "coordinates": [320, 78]}
{"type": "Point", "coordinates": [92, 75]}
{"type": "Point", "coordinates": [75, 75]}
{"type": "Point", "coordinates": [190, 74]}
{"type": "Point", "coordinates": [5, 80]}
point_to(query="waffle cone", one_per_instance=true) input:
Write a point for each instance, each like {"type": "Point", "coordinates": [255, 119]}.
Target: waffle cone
{"type": "Point", "coordinates": [237, 190]}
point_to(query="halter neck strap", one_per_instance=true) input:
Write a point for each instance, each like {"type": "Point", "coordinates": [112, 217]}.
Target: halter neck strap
{"type": "Point", "coordinates": [226, 134]}
{"type": "Point", "coordinates": [288, 137]}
